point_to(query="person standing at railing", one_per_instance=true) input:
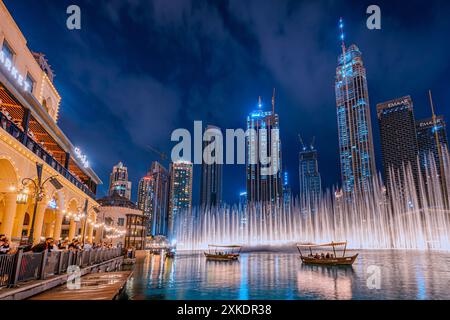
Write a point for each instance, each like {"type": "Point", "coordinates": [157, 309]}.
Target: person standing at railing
{"type": "Point", "coordinates": [4, 244]}
{"type": "Point", "coordinates": [42, 246]}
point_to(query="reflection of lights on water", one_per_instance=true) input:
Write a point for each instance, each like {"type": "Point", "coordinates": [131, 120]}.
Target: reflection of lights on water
{"type": "Point", "coordinates": [327, 283]}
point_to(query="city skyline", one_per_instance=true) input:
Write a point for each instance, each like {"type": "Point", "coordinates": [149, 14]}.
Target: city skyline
{"type": "Point", "coordinates": [295, 105]}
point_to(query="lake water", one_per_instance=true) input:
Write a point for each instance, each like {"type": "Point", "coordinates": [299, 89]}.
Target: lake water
{"type": "Point", "coordinates": [280, 275]}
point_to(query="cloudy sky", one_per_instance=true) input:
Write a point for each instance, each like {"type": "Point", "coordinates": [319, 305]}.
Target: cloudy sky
{"type": "Point", "coordinates": [137, 70]}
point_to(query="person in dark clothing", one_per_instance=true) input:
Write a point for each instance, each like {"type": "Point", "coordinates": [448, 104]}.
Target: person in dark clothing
{"type": "Point", "coordinates": [42, 246]}
{"type": "Point", "coordinates": [4, 244]}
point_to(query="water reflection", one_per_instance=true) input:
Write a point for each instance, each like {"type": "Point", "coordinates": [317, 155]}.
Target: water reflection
{"type": "Point", "coordinates": [280, 275]}
{"type": "Point", "coordinates": [325, 282]}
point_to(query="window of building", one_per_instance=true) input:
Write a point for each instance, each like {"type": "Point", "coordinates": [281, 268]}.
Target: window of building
{"type": "Point", "coordinates": [7, 51]}
{"type": "Point", "coordinates": [120, 221]}
{"type": "Point", "coordinates": [30, 82]}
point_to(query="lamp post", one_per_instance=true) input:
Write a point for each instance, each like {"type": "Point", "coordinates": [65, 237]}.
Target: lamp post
{"type": "Point", "coordinates": [38, 194]}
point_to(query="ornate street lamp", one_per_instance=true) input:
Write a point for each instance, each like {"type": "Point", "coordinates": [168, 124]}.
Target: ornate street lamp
{"type": "Point", "coordinates": [38, 194]}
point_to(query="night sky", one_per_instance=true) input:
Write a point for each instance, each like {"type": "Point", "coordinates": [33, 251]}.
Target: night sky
{"type": "Point", "coordinates": [137, 70]}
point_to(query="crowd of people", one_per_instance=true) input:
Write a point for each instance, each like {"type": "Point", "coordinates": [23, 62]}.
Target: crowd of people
{"type": "Point", "coordinates": [51, 245]}
{"type": "Point", "coordinates": [321, 256]}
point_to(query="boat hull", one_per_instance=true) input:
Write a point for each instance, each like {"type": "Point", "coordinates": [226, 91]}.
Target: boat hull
{"type": "Point", "coordinates": [221, 257]}
{"type": "Point", "coordinates": [341, 261]}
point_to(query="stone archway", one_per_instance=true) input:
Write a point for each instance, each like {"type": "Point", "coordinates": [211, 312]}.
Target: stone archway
{"type": "Point", "coordinates": [8, 196]}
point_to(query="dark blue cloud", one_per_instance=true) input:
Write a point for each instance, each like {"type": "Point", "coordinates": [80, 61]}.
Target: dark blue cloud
{"type": "Point", "coordinates": [139, 69]}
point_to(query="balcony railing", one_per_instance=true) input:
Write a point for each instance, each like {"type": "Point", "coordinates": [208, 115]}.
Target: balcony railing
{"type": "Point", "coordinates": [37, 149]}
{"type": "Point", "coordinates": [20, 267]}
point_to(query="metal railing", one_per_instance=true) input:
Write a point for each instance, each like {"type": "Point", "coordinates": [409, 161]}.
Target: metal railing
{"type": "Point", "coordinates": [19, 267]}
{"type": "Point", "coordinates": [6, 268]}
{"type": "Point", "coordinates": [37, 149]}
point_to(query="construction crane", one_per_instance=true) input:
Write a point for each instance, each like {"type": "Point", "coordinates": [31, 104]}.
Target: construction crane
{"type": "Point", "coordinates": [161, 155]}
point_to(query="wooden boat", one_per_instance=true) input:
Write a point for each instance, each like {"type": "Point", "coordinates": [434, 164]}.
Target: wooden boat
{"type": "Point", "coordinates": [223, 252]}
{"type": "Point", "coordinates": [332, 260]}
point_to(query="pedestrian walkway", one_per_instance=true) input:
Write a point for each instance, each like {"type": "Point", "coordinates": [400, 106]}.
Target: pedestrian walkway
{"type": "Point", "coordinates": [94, 286]}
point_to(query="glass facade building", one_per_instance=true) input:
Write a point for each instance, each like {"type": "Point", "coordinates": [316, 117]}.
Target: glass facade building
{"type": "Point", "coordinates": [211, 178]}
{"type": "Point", "coordinates": [426, 139]}
{"type": "Point", "coordinates": [310, 179]}
{"type": "Point", "coordinates": [398, 138]}
{"type": "Point", "coordinates": [357, 159]}
{"type": "Point", "coordinates": [264, 181]}
{"type": "Point", "coordinates": [180, 198]}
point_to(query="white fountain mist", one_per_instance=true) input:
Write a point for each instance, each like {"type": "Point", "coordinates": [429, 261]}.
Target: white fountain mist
{"type": "Point", "coordinates": [409, 218]}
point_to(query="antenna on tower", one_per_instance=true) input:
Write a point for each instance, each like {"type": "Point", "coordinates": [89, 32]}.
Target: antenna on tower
{"type": "Point", "coordinates": [301, 142]}
{"type": "Point", "coordinates": [342, 36]}
{"type": "Point", "coordinates": [273, 101]}
{"type": "Point", "coordinates": [259, 102]}
{"type": "Point", "coordinates": [433, 114]}
{"type": "Point", "coordinates": [313, 142]}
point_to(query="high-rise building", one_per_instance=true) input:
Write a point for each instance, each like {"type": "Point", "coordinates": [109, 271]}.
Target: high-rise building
{"type": "Point", "coordinates": [398, 138]}
{"type": "Point", "coordinates": [211, 178]}
{"type": "Point", "coordinates": [310, 179]}
{"type": "Point", "coordinates": [287, 191]}
{"type": "Point", "coordinates": [153, 198]}
{"type": "Point", "coordinates": [180, 194]}
{"type": "Point", "coordinates": [357, 159]}
{"type": "Point", "coordinates": [160, 199]}
{"type": "Point", "coordinates": [118, 181]}
{"type": "Point", "coordinates": [264, 181]}
{"type": "Point", "coordinates": [426, 139]}
{"type": "Point", "coordinates": [144, 203]}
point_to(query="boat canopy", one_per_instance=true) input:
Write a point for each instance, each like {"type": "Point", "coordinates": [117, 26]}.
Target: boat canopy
{"type": "Point", "coordinates": [314, 245]}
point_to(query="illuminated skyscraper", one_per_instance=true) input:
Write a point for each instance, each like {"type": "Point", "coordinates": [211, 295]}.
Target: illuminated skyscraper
{"type": "Point", "coordinates": [118, 181]}
{"type": "Point", "coordinates": [180, 194]}
{"type": "Point", "coordinates": [310, 179]}
{"type": "Point", "coordinates": [264, 181]}
{"type": "Point", "coordinates": [356, 150]}
{"type": "Point", "coordinates": [153, 197]}
{"type": "Point", "coordinates": [211, 179]}
{"type": "Point", "coordinates": [287, 191]}
{"type": "Point", "coordinates": [426, 138]}
{"type": "Point", "coordinates": [144, 203]}
{"type": "Point", "coordinates": [398, 138]}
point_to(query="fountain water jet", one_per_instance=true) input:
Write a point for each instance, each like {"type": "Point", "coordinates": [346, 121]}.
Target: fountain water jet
{"type": "Point", "coordinates": [410, 218]}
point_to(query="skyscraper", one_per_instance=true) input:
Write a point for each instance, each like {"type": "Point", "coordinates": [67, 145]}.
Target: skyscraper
{"type": "Point", "coordinates": [160, 199]}
{"type": "Point", "coordinates": [118, 181]}
{"type": "Point", "coordinates": [432, 137]}
{"type": "Point", "coordinates": [211, 178]}
{"type": "Point", "coordinates": [398, 138]}
{"type": "Point", "coordinates": [356, 150]}
{"type": "Point", "coordinates": [264, 181]}
{"type": "Point", "coordinates": [180, 194]}
{"type": "Point", "coordinates": [426, 139]}
{"type": "Point", "coordinates": [287, 191]}
{"type": "Point", "coordinates": [310, 179]}
{"type": "Point", "coordinates": [153, 198]}
{"type": "Point", "coordinates": [144, 203]}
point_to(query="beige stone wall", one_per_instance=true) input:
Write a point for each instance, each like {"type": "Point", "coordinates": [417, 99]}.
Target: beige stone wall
{"type": "Point", "coordinates": [17, 163]}
{"type": "Point", "coordinates": [25, 63]}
